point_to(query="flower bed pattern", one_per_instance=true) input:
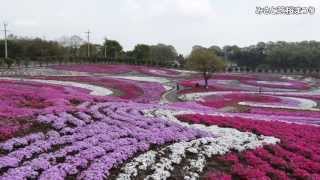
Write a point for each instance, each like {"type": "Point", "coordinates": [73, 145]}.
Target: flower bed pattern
{"type": "Point", "coordinates": [234, 99]}
{"type": "Point", "coordinates": [87, 144]}
{"type": "Point", "coordinates": [119, 69]}
{"type": "Point", "coordinates": [281, 98]}
{"type": "Point", "coordinates": [297, 156]}
{"type": "Point", "coordinates": [287, 84]}
{"type": "Point", "coordinates": [21, 101]}
{"type": "Point", "coordinates": [20, 98]}
{"type": "Point", "coordinates": [64, 127]}
{"type": "Point", "coordinates": [282, 112]}
{"type": "Point", "coordinates": [127, 89]}
{"type": "Point", "coordinates": [239, 82]}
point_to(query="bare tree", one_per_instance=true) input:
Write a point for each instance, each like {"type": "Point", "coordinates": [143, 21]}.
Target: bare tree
{"type": "Point", "coordinates": [73, 42]}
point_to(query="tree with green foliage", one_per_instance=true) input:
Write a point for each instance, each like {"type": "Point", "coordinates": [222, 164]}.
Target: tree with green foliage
{"type": "Point", "coordinates": [281, 54]}
{"type": "Point", "coordinates": [205, 61]}
{"type": "Point", "coordinates": [94, 50]}
{"type": "Point", "coordinates": [32, 48]}
{"type": "Point", "coordinates": [163, 54]}
{"type": "Point", "coordinates": [112, 48]}
{"type": "Point", "coordinates": [9, 62]}
{"type": "Point", "coordinates": [142, 53]}
{"type": "Point", "coordinates": [217, 50]}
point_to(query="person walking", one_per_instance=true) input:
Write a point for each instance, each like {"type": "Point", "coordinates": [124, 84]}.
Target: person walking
{"type": "Point", "coordinates": [260, 89]}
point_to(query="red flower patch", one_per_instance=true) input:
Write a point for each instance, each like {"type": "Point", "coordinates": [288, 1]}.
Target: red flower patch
{"type": "Point", "coordinates": [296, 157]}
{"type": "Point", "coordinates": [234, 99]}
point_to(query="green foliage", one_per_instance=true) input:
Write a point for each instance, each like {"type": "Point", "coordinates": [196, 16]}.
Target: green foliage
{"type": "Point", "coordinates": [94, 50]}
{"type": "Point", "coordinates": [23, 47]}
{"type": "Point", "coordinates": [162, 53]}
{"type": "Point", "coordinates": [142, 53]}
{"type": "Point", "coordinates": [113, 48]}
{"type": "Point", "coordinates": [280, 55]}
{"type": "Point", "coordinates": [217, 50]}
{"type": "Point", "coordinates": [1, 61]}
{"type": "Point", "coordinates": [205, 61]}
{"type": "Point", "coordinates": [305, 54]}
{"type": "Point", "coordinates": [9, 62]}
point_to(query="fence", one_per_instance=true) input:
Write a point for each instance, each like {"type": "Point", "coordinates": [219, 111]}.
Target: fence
{"type": "Point", "coordinates": [18, 69]}
{"type": "Point", "coordinates": [25, 69]}
{"type": "Point", "coordinates": [274, 71]}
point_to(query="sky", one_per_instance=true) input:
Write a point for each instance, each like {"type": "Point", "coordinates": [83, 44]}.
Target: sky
{"type": "Point", "coordinates": [181, 23]}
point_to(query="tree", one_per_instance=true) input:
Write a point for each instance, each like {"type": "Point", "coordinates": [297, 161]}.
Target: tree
{"type": "Point", "coordinates": [205, 61]}
{"type": "Point", "coordinates": [217, 50]}
{"type": "Point", "coordinates": [281, 54]}
{"type": "Point", "coordinates": [163, 54]}
{"type": "Point", "coordinates": [142, 52]}
{"type": "Point", "coordinates": [112, 48]}
{"type": "Point", "coordinates": [72, 44]}
{"type": "Point", "coordinates": [8, 62]}
{"type": "Point", "coordinates": [83, 50]}
{"type": "Point", "coordinates": [181, 60]}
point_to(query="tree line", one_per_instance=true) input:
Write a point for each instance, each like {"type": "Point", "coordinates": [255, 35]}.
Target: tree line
{"type": "Point", "coordinates": [264, 55]}
{"type": "Point", "coordinates": [74, 49]}
{"type": "Point", "coordinates": [275, 55]}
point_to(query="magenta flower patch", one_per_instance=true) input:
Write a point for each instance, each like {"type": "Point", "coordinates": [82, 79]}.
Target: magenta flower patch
{"type": "Point", "coordinates": [297, 156]}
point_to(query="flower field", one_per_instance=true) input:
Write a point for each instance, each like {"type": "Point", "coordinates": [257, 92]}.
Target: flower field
{"type": "Point", "coordinates": [138, 91]}
{"type": "Point", "coordinates": [112, 124]}
{"type": "Point", "coordinates": [119, 69]}
{"type": "Point", "coordinates": [297, 156]}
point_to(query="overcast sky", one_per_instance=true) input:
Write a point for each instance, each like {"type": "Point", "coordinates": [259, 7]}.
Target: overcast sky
{"type": "Point", "coordinates": [182, 23]}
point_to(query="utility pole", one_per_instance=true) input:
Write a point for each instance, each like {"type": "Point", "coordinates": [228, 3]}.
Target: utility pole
{"type": "Point", "coordinates": [88, 39]}
{"type": "Point", "coordinates": [5, 40]}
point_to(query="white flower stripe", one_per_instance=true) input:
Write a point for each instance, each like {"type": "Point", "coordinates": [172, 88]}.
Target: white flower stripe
{"type": "Point", "coordinates": [162, 163]}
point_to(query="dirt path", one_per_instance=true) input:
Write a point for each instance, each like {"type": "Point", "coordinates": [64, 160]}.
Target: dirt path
{"type": "Point", "coordinates": [172, 94]}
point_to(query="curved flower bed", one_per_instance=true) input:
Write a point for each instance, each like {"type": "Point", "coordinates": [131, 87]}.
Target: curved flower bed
{"type": "Point", "coordinates": [94, 140]}
{"type": "Point", "coordinates": [296, 157]}
{"type": "Point", "coordinates": [240, 82]}
{"type": "Point", "coordinates": [66, 131]}
{"type": "Point", "coordinates": [94, 90]}
{"type": "Point", "coordinates": [137, 91]}
{"type": "Point", "coordinates": [118, 69]}
{"type": "Point", "coordinates": [286, 103]}
{"type": "Point", "coordinates": [10, 127]}
{"type": "Point", "coordinates": [282, 112]}
{"type": "Point", "coordinates": [159, 72]}
{"type": "Point", "coordinates": [20, 98]}
{"type": "Point", "coordinates": [228, 85]}
{"type": "Point", "coordinates": [21, 101]}
{"type": "Point", "coordinates": [287, 84]}
{"type": "Point", "coordinates": [187, 159]}
{"type": "Point", "coordinates": [221, 101]}
{"type": "Point", "coordinates": [87, 144]}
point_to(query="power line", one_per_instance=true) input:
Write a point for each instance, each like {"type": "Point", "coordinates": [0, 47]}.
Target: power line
{"type": "Point", "coordinates": [88, 41]}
